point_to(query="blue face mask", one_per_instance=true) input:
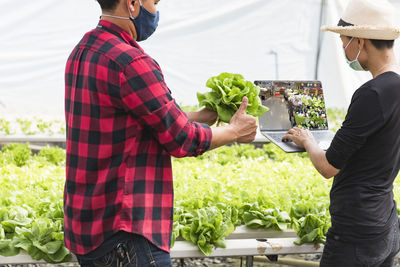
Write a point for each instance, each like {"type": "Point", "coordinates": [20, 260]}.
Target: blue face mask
{"type": "Point", "coordinates": [145, 23]}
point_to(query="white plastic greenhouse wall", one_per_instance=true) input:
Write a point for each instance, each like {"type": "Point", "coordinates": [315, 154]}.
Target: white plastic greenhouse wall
{"type": "Point", "coordinates": [196, 39]}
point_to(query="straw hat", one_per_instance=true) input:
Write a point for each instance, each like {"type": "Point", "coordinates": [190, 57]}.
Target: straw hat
{"type": "Point", "coordinates": [369, 19]}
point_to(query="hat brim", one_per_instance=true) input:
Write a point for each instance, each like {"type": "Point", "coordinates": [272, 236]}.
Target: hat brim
{"type": "Point", "coordinates": [365, 32]}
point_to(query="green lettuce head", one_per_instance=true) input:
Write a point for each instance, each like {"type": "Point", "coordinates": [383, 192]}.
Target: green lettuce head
{"type": "Point", "coordinates": [227, 92]}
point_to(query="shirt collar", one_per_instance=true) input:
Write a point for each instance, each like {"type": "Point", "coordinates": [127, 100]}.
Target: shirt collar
{"type": "Point", "coordinates": [114, 29]}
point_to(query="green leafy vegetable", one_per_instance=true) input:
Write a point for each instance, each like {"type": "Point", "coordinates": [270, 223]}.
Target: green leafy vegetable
{"type": "Point", "coordinates": [54, 155]}
{"type": "Point", "coordinates": [227, 92]}
{"type": "Point", "coordinates": [312, 228]}
{"type": "Point", "coordinates": [15, 153]}
{"type": "Point", "coordinates": [214, 193]}
{"type": "Point", "coordinates": [271, 218]}
{"type": "Point", "coordinates": [209, 226]}
{"type": "Point", "coordinates": [31, 203]}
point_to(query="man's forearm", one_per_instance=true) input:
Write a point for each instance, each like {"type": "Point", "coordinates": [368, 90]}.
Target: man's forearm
{"type": "Point", "coordinates": [318, 158]}
{"type": "Point", "coordinates": [222, 135]}
{"type": "Point", "coordinates": [203, 116]}
{"type": "Point", "coordinates": [192, 116]}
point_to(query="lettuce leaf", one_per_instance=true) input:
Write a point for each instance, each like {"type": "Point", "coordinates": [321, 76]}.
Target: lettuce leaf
{"type": "Point", "coordinates": [227, 92]}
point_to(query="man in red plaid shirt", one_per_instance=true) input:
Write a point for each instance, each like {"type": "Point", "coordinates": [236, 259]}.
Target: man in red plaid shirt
{"type": "Point", "coordinates": [123, 126]}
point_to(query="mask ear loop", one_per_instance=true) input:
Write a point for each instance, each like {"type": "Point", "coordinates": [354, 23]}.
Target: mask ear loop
{"type": "Point", "coordinates": [118, 17]}
{"type": "Point", "coordinates": [129, 10]}
{"type": "Point", "coordinates": [359, 52]}
{"type": "Point", "coordinates": [348, 43]}
{"type": "Point", "coordinates": [112, 16]}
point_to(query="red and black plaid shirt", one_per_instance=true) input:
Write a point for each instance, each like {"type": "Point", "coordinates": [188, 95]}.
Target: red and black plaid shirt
{"type": "Point", "coordinates": [122, 128]}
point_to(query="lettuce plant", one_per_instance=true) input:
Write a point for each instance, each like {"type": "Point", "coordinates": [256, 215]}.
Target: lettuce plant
{"type": "Point", "coordinates": [227, 92]}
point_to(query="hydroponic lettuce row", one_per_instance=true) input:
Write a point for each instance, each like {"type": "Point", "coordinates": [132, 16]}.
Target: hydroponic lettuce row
{"type": "Point", "coordinates": [243, 185]}
{"type": "Point", "coordinates": [214, 193]}
{"type": "Point", "coordinates": [227, 92]}
{"type": "Point", "coordinates": [31, 126]}
{"type": "Point", "coordinates": [31, 204]}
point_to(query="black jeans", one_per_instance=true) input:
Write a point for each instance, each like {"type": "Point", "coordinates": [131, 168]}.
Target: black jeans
{"type": "Point", "coordinates": [375, 254]}
{"type": "Point", "coordinates": [138, 252]}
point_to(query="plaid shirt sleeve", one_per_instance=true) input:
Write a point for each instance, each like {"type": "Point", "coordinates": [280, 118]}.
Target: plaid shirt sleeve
{"type": "Point", "coordinates": [147, 98]}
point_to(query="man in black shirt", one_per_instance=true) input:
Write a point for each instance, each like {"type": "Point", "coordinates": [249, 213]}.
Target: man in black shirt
{"type": "Point", "coordinates": [364, 156]}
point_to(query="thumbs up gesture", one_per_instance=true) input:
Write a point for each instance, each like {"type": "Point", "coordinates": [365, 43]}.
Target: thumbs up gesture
{"type": "Point", "coordinates": [245, 126]}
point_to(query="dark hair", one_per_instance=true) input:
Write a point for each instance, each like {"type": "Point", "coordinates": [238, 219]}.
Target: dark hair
{"type": "Point", "coordinates": [108, 5]}
{"type": "Point", "coordinates": [382, 44]}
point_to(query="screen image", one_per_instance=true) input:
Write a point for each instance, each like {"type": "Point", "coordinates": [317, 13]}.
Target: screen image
{"type": "Point", "coordinates": [292, 103]}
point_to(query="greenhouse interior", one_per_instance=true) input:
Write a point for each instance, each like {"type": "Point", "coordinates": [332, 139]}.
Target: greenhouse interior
{"type": "Point", "coordinates": [260, 198]}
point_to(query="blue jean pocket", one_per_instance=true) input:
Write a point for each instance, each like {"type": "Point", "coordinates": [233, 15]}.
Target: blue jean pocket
{"type": "Point", "coordinates": [157, 257]}
{"type": "Point", "coordinates": [105, 261]}
{"type": "Point", "coordinates": [126, 259]}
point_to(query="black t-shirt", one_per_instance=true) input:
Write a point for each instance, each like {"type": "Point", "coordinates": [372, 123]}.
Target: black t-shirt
{"type": "Point", "coordinates": [367, 151]}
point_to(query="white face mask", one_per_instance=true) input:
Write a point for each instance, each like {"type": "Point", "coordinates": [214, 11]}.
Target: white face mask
{"type": "Point", "coordinates": [354, 64]}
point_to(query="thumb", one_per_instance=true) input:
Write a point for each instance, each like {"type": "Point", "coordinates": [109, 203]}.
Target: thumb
{"type": "Point", "coordinates": [243, 106]}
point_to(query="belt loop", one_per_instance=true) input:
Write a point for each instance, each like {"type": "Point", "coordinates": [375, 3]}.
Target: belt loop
{"type": "Point", "coordinates": [121, 254]}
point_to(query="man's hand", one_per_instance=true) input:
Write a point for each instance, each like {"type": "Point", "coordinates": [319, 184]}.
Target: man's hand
{"type": "Point", "coordinates": [203, 116]}
{"type": "Point", "coordinates": [244, 126]}
{"type": "Point", "coordinates": [300, 137]}
{"type": "Point", "coordinates": [304, 138]}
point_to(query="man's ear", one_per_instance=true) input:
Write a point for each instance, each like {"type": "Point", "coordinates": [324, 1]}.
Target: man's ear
{"type": "Point", "coordinates": [131, 5]}
{"type": "Point", "coordinates": [361, 43]}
